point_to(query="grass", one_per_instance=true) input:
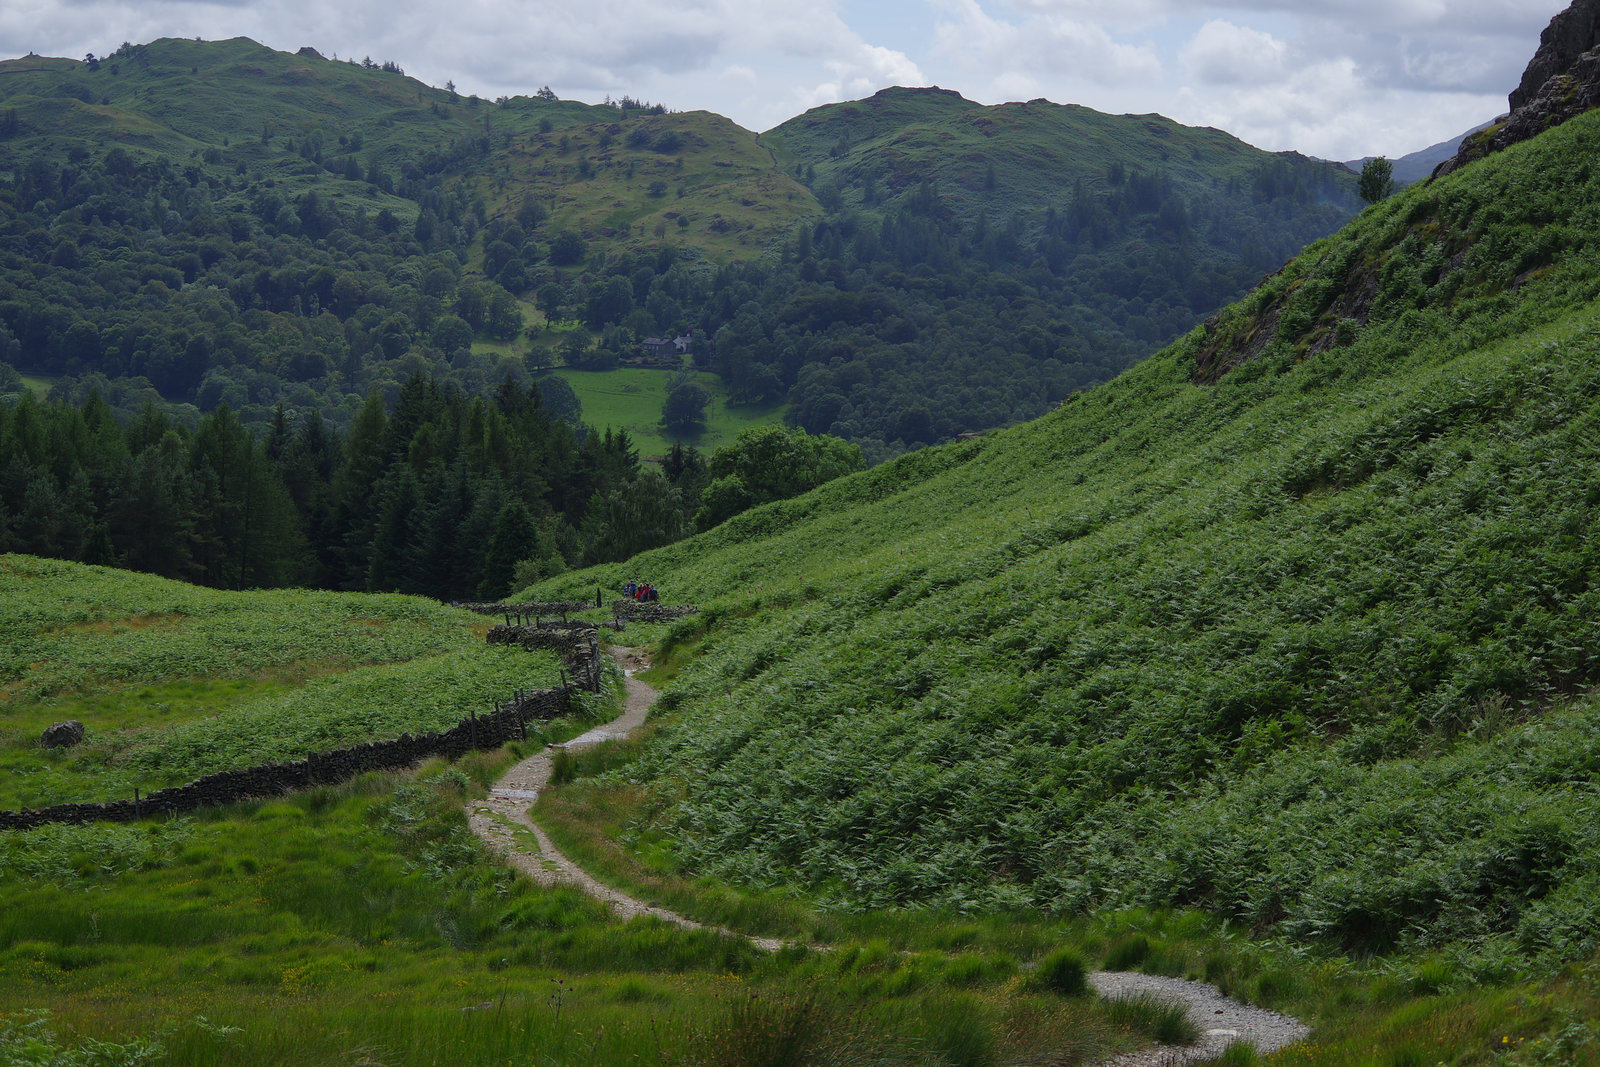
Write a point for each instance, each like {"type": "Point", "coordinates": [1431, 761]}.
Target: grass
{"type": "Point", "coordinates": [40, 386]}
{"type": "Point", "coordinates": [364, 921]}
{"type": "Point", "coordinates": [720, 182]}
{"type": "Point", "coordinates": [1363, 1013]}
{"type": "Point", "coordinates": [630, 399]}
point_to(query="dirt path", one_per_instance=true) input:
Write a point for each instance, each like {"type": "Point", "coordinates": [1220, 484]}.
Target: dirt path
{"type": "Point", "coordinates": [503, 822]}
{"type": "Point", "coordinates": [502, 819]}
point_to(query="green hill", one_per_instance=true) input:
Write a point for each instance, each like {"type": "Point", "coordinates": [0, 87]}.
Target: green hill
{"type": "Point", "coordinates": [232, 102]}
{"type": "Point", "coordinates": [196, 222]}
{"type": "Point", "coordinates": [995, 259]}
{"type": "Point", "coordinates": [1293, 622]}
{"type": "Point", "coordinates": [1204, 186]}
{"type": "Point", "coordinates": [220, 221]}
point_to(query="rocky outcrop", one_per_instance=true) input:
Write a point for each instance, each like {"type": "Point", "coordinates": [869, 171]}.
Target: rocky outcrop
{"type": "Point", "coordinates": [1561, 81]}
{"type": "Point", "coordinates": [1569, 35]}
{"type": "Point", "coordinates": [63, 734]}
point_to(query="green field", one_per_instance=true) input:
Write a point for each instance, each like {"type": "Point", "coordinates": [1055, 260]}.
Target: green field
{"type": "Point", "coordinates": [631, 399]}
{"type": "Point", "coordinates": [40, 386]}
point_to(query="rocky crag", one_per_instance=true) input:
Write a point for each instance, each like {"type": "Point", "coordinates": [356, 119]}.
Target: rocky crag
{"type": "Point", "coordinates": [1562, 80]}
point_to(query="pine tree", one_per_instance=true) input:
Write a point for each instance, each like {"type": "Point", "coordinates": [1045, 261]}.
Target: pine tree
{"type": "Point", "coordinates": [515, 539]}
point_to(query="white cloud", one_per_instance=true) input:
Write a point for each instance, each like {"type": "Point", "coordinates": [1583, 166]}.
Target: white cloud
{"type": "Point", "coordinates": [1225, 54]}
{"type": "Point", "coordinates": [1045, 46]}
{"type": "Point", "coordinates": [1327, 109]}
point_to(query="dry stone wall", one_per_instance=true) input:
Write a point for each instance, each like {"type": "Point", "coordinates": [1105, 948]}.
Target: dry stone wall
{"type": "Point", "coordinates": [578, 646]}
{"type": "Point", "coordinates": [535, 609]}
{"type": "Point", "coordinates": [650, 611]}
{"type": "Point", "coordinates": [508, 722]}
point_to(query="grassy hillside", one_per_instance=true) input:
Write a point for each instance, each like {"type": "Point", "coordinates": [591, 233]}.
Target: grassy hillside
{"type": "Point", "coordinates": [173, 681]}
{"type": "Point", "coordinates": [236, 103]}
{"type": "Point", "coordinates": [1308, 646]}
{"type": "Point", "coordinates": [364, 922]}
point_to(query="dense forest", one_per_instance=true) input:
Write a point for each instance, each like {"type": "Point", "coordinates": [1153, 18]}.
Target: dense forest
{"type": "Point", "coordinates": [168, 237]}
{"type": "Point", "coordinates": [445, 495]}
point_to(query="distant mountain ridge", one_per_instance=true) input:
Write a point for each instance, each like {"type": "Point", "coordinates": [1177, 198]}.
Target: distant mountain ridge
{"type": "Point", "coordinates": [1415, 166]}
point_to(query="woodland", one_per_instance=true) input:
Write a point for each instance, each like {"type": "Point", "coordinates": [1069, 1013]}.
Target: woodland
{"type": "Point", "coordinates": [346, 319]}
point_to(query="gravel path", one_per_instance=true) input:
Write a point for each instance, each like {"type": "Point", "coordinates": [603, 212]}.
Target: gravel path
{"type": "Point", "coordinates": [502, 820]}
{"type": "Point", "coordinates": [1220, 1020]}
{"type": "Point", "coordinates": [502, 816]}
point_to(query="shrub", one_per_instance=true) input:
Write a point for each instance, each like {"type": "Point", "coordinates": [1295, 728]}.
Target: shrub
{"type": "Point", "coordinates": [1145, 1013]}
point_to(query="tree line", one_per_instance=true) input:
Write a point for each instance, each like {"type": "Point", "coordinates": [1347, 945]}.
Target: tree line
{"type": "Point", "coordinates": [443, 495]}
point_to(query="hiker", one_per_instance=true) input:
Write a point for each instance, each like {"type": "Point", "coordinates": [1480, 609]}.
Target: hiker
{"type": "Point", "coordinates": [631, 590]}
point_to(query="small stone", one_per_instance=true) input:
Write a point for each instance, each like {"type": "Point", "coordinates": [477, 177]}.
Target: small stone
{"type": "Point", "coordinates": [63, 734]}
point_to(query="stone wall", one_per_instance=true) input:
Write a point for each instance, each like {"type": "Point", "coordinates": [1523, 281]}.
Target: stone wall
{"type": "Point", "coordinates": [535, 609]}
{"type": "Point", "coordinates": [650, 611]}
{"type": "Point", "coordinates": [508, 722]}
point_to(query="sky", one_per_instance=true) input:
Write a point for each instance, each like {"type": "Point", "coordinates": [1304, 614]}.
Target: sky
{"type": "Point", "coordinates": [1338, 79]}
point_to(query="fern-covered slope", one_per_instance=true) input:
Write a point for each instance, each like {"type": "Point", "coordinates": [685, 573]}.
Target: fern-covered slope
{"type": "Point", "coordinates": [1305, 646]}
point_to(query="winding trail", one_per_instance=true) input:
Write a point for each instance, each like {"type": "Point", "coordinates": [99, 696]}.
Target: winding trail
{"type": "Point", "coordinates": [499, 818]}
{"type": "Point", "coordinates": [502, 821]}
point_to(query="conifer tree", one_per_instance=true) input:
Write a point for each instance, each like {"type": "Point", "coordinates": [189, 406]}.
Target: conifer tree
{"type": "Point", "coordinates": [515, 539]}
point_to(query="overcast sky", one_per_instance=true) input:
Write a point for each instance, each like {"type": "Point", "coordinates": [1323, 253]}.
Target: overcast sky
{"type": "Point", "coordinates": [1333, 78]}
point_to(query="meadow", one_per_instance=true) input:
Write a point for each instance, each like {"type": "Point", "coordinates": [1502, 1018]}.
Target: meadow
{"type": "Point", "coordinates": [630, 399]}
